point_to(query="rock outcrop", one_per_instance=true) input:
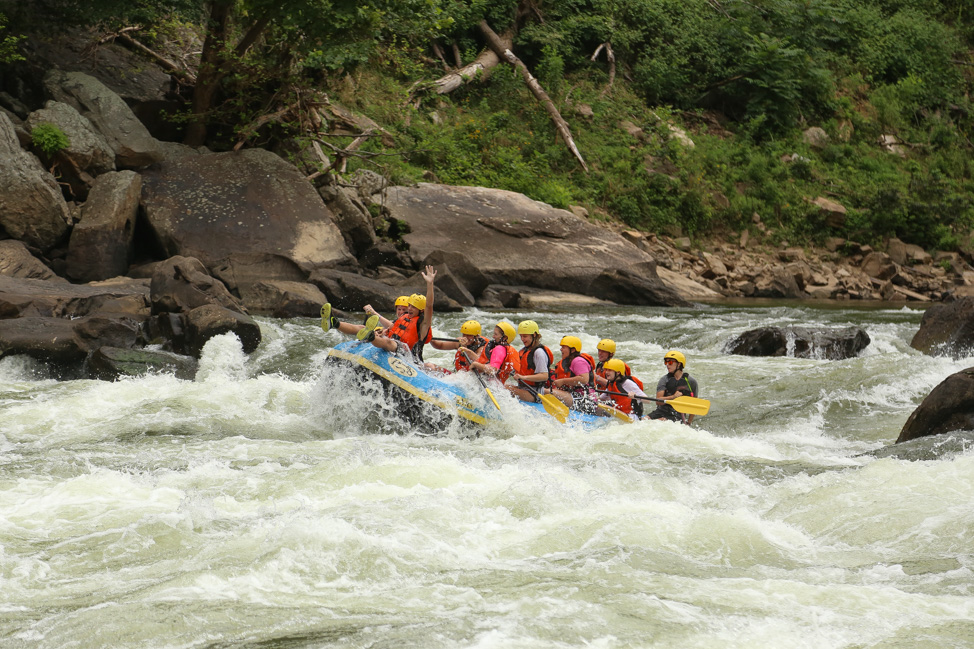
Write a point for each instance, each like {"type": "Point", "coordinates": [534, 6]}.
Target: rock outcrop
{"type": "Point", "coordinates": [949, 407]}
{"type": "Point", "coordinates": [514, 240]}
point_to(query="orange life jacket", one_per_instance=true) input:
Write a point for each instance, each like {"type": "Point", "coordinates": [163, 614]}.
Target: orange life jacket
{"type": "Point", "coordinates": [460, 361]}
{"type": "Point", "coordinates": [527, 364]}
{"type": "Point", "coordinates": [406, 330]}
{"type": "Point", "coordinates": [511, 364]}
{"type": "Point", "coordinates": [562, 370]}
{"type": "Point", "coordinates": [623, 402]}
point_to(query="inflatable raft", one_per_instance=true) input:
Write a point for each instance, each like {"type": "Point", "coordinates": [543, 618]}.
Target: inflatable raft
{"type": "Point", "coordinates": [424, 398]}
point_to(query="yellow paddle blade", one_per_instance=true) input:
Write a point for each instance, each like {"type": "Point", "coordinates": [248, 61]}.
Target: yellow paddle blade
{"type": "Point", "coordinates": [612, 412]}
{"type": "Point", "coordinates": [554, 407]}
{"type": "Point", "coordinates": [690, 405]}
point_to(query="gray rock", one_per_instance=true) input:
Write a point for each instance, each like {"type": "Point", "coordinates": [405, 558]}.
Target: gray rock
{"type": "Point", "coordinates": [282, 299]}
{"type": "Point", "coordinates": [32, 208]}
{"type": "Point", "coordinates": [111, 363]}
{"type": "Point", "coordinates": [22, 297]}
{"type": "Point", "coordinates": [947, 329]}
{"type": "Point", "coordinates": [101, 242]}
{"type": "Point", "coordinates": [16, 261]}
{"type": "Point", "coordinates": [800, 342]}
{"type": "Point", "coordinates": [111, 117]}
{"type": "Point", "coordinates": [949, 407]}
{"type": "Point", "coordinates": [211, 320]}
{"type": "Point", "coordinates": [88, 151]}
{"type": "Point", "coordinates": [181, 284]}
{"type": "Point", "coordinates": [248, 216]}
{"type": "Point", "coordinates": [516, 241]}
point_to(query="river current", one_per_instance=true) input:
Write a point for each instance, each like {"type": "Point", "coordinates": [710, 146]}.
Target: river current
{"type": "Point", "coordinates": [265, 505]}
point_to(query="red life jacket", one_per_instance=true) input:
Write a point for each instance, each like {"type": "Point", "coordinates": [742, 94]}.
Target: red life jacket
{"type": "Point", "coordinates": [527, 363]}
{"type": "Point", "coordinates": [406, 330]}
{"type": "Point", "coordinates": [511, 364]}
{"type": "Point", "coordinates": [460, 361]}
{"type": "Point", "coordinates": [562, 370]}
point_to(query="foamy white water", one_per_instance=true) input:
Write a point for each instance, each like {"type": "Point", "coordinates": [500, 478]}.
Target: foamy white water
{"type": "Point", "coordinates": [261, 505]}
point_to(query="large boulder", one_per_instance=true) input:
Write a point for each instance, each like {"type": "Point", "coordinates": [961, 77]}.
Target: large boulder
{"type": "Point", "coordinates": [88, 151]}
{"type": "Point", "coordinates": [111, 363]}
{"type": "Point", "coordinates": [211, 320]}
{"type": "Point", "coordinates": [101, 242]}
{"type": "Point", "coordinates": [947, 329]}
{"type": "Point", "coordinates": [32, 208]}
{"type": "Point", "coordinates": [800, 342]}
{"type": "Point", "coordinates": [111, 117]}
{"type": "Point", "coordinates": [514, 240]}
{"type": "Point", "coordinates": [248, 216]}
{"type": "Point", "coordinates": [949, 407]}
{"type": "Point", "coordinates": [284, 299]}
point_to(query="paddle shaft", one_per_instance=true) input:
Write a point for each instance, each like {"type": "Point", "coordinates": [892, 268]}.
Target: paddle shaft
{"type": "Point", "coordinates": [684, 404]}
{"type": "Point", "coordinates": [489, 393]}
{"type": "Point", "coordinates": [446, 340]}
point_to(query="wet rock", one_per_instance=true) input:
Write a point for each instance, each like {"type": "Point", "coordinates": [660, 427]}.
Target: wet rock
{"type": "Point", "coordinates": [211, 320]}
{"type": "Point", "coordinates": [949, 407]}
{"type": "Point", "coordinates": [947, 329]}
{"type": "Point", "coordinates": [800, 342]}
{"type": "Point", "coordinates": [111, 363]}
{"type": "Point", "coordinates": [65, 342]}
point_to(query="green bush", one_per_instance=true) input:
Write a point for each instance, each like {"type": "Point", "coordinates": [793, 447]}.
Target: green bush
{"type": "Point", "coordinates": [49, 138]}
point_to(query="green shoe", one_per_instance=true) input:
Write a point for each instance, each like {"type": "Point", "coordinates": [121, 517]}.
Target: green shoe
{"type": "Point", "coordinates": [327, 320]}
{"type": "Point", "coordinates": [368, 331]}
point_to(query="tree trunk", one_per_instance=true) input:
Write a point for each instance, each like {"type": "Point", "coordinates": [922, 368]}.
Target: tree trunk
{"type": "Point", "coordinates": [494, 41]}
{"type": "Point", "coordinates": [214, 65]}
{"type": "Point", "coordinates": [480, 67]}
{"type": "Point", "coordinates": [209, 74]}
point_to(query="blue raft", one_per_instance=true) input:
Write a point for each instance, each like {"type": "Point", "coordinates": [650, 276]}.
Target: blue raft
{"type": "Point", "coordinates": [414, 390]}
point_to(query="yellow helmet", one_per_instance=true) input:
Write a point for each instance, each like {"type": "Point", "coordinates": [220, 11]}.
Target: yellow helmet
{"type": "Point", "coordinates": [572, 341]}
{"type": "Point", "coordinates": [615, 365]}
{"type": "Point", "coordinates": [677, 356]}
{"type": "Point", "coordinates": [470, 328]}
{"type": "Point", "coordinates": [418, 301]}
{"type": "Point", "coordinates": [528, 327]}
{"type": "Point", "coordinates": [402, 300]}
{"type": "Point", "coordinates": [508, 330]}
{"type": "Point", "coordinates": [607, 345]}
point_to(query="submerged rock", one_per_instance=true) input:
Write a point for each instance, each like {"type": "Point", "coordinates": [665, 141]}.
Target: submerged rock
{"type": "Point", "coordinates": [800, 342]}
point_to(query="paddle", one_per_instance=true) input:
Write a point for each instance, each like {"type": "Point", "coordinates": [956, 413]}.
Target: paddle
{"type": "Point", "coordinates": [489, 393]}
{"type": "Point", "coordinates": [446, 340]}
{"type": "Point", "coordinates": [686, 405]}
{"type": "Point", "coordinates": [612, 412]}
{"type": "Point", "coordinates": [551, 403]}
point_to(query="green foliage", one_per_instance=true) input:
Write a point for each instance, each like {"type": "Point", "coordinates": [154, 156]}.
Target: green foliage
{"type": "Point", "coordinates": [49, 138]}
{"type": "Point", "coordinates": [8, 44]}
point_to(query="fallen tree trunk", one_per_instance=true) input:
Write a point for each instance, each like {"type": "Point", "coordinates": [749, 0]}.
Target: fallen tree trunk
{"type": "Point", "coordinates": [495, 44]}
{"type": "Point", "coordinates": [480, 67]}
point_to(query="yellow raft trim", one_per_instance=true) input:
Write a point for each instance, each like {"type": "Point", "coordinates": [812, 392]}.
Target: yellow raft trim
{"type": "Point", "coordinates": [405, 385]}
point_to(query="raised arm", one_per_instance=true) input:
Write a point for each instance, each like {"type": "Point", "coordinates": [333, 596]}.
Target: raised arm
{"type": "Point", "coordinates": [429, 275]}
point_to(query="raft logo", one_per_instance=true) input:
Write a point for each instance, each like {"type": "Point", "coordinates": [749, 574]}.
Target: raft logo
{"type": "Point", "coordinates": [402, 368]}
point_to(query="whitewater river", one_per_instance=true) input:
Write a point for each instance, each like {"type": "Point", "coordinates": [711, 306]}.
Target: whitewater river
{"type": "Point", "coordinates": [261, 506]}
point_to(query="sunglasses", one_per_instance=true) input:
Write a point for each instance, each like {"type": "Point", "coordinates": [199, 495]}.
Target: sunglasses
{"type": "Point", "coordinates": [669, 361]}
